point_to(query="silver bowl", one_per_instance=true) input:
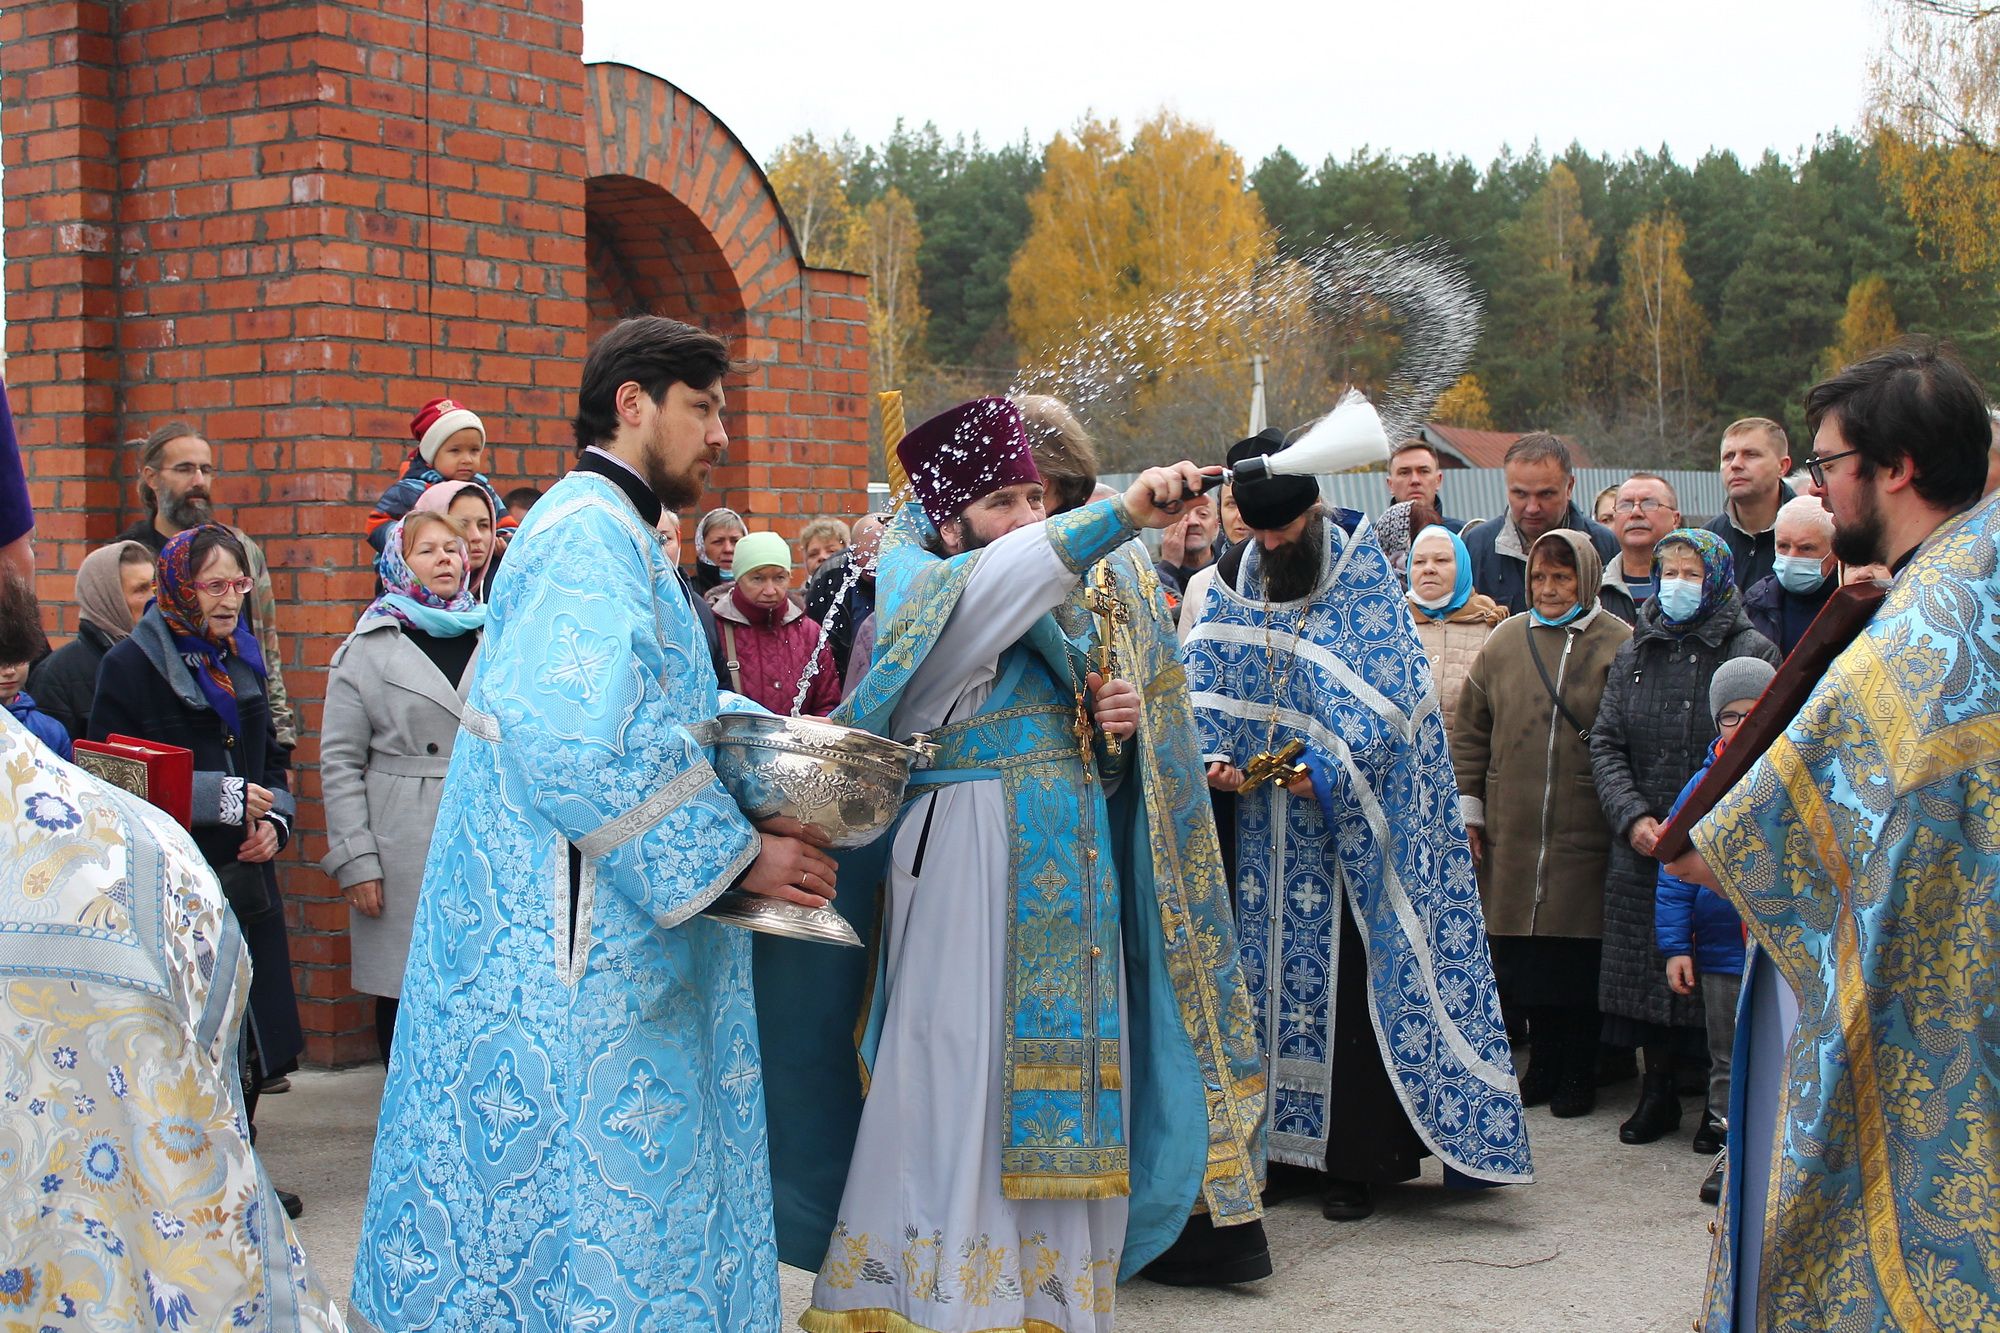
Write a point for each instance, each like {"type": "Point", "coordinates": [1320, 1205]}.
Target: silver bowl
{"type": "Point", "coordinates": [831, 785]}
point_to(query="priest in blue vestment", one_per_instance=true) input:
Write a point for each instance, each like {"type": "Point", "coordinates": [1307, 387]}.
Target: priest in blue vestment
{"type": "Point", "coordinates": [1363, 941]}
{"type": "Point", "coordinates": [1863, 852]}
{"type": "Point", "coordinates": [572, 1136]}
{"type": "Point", "coordinates": [1056, 1052]}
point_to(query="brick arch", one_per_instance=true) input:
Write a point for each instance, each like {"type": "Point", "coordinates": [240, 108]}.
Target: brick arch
{"type": "Point", "coordinates": [709, 201]}
{"type": "Point", "coordinates": [646, 253]}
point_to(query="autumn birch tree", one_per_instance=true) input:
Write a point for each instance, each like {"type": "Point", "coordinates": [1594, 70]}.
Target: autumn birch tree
{"type": "Point", "coordinates": [882, 241]}
{"type": "Point", "coordinates": [1659, 329]}
{"type": "Point", "coordinates": [810, 181]}
{"type": "Point", "coordinates": [1934, 101]}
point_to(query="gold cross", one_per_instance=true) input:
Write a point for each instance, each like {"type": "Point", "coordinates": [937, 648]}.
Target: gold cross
{"type": "Point", "coordinates": [1267, 767]}
{"type": "Point", "coordinates": [1102, 599]}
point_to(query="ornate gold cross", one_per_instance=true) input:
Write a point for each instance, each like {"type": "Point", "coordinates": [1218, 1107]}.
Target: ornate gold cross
{"type": "Point", "coordinates": [1102, 599]}
{"type": "Point", "coordinates": [1281, 767]}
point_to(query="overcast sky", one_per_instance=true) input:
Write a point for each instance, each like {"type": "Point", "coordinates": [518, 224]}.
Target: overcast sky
{"type": "Point", "coordinates": [1444, 76]}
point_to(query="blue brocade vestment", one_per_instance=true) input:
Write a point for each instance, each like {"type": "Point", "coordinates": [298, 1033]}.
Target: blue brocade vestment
{"type": "Point", "coordinates": [572, 1136]}
{"type": "Point", "coordinates": [1342, 671]}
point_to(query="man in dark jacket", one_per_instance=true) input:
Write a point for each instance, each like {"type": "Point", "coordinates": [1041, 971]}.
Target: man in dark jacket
{"type": "Point", "coordinates": [1756, 454]}
{"type": "Point", "coordinates": [1540, 480]}
{"type": "Point", "coordinates": [1416, 473]}
{"type": "Point", "coordinates": [1783, 603]}
{"type": "Point", "coordinates": [176, 468]}
{"type": "Point", "coordinates": [824, 590]}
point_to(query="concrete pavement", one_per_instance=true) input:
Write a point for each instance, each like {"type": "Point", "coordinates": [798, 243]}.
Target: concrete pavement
{"type": "Point", "coordinates": [1608, 1238]}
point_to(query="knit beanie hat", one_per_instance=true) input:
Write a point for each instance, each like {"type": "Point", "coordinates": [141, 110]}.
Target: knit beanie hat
{"type": "Point", "coordinates": [440, 419]}
{"type": "Point", "coordinates": [760, 549]}
{"type": "Point", "coordinates": [1738, 678]}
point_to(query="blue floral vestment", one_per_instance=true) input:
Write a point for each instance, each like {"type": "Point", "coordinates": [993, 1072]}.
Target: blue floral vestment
{"type": "Point", "coordinates": [572, 1136]}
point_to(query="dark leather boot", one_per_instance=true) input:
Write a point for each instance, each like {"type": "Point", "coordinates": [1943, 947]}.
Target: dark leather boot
{"type": "Point", "coordinates": [1711, 1136]}
{"type": "Point", "coordinates": [1576, 1088]}
{"type": "Point", "coordinates": [1659, 1111]}
{"type": "Point", "coordinates": [1538, 1084]}
{"type": "Point", "coordinates": [1346, 1200]}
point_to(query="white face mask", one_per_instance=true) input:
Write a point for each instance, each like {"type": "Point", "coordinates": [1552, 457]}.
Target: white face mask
{"type": "Point", "coordinates": [1442, 600]}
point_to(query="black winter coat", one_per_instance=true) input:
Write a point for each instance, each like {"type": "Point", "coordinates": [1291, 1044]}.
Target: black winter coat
{"type": "Point", "coordinates": [1652, 732]}
{"type": "Point", "coordinates": [1781, 616]}
{"type": "Point", "coordinates": [65, 681]}
{"type": "Point", "coordinates": [144, 689]}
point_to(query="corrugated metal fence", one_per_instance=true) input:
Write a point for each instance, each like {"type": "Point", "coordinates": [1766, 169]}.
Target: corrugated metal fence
{"type": "Point", "coordinates": [1482, 492]}
{"type": "Point", "coordinates": [1472, 492]}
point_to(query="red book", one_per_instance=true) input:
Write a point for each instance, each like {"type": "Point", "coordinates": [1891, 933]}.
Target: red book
{"type": "Point", "coordinates": [1838, 624]}
{"type": "Point", "coordinates": [161, 774]}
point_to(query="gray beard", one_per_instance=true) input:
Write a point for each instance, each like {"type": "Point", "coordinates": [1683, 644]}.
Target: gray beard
{"type": "Point", "coordinates": [187, 511]}
{"type": "Point", "coordinates": [1291, 571]}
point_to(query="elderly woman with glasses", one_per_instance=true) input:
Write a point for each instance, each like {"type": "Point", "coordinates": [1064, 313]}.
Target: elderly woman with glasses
{"type": "Point", "coordinates": [192, 674]}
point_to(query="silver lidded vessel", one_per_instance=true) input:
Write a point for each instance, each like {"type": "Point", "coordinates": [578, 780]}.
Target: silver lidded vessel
{"type": "Point", "coordinates": [817, 780]}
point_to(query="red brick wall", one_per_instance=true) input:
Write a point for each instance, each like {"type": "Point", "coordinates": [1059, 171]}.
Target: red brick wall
{"type": "Point", "coordinates": [252, 215]}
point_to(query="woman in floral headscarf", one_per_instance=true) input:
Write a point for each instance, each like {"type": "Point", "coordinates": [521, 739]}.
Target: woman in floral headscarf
{"type": "Point", "coordinates": [191, 674]}
{"type": "Point", "coordinates": [472, 505]}
{"type": "Point", "coordinates": [1652, 730]}
{"type": "Point", "coordinates": [393, 695]}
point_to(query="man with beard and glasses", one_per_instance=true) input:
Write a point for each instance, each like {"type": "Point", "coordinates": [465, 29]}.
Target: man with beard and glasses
{"type": "Point", "coordinates": [176, 469]}
{"type": "Point", "coordinates": [572, 1134]}
{"type": "Point", "coordinates": [1863, 853]}
{"type": "Point", "coordinates": [1036, 1120]}
{"type": "Point", "coordinates": [1363, 942]}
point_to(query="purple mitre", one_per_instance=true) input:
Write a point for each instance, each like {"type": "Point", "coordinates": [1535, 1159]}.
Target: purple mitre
{"type": "Point", "coordinates": [965, 453]}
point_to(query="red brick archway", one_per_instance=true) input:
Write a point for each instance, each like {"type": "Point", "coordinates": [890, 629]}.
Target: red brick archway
{"type": "Point", "coordinates": [291, 221]}
{"type": "Point", "coordinates": [681, 220]}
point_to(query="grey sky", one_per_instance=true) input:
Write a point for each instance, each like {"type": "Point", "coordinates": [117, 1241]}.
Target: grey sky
{"type": "Point", "coordinates": [1449, 76]}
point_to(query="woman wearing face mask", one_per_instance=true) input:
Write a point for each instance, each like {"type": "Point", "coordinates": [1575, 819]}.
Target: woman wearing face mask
{"type": "Point", "coordinates": [1452, 620]}
{"type": "Point", "coordinates": [393, 695]}
{"type": "Point", "coordinates": [472, 506]}
{"type": "Point", "coordinates": [1524, 778]}
{"type": "Point", "coordinates": [1652, 731]}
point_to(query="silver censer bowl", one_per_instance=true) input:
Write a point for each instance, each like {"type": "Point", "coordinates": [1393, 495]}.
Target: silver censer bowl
{"type": "Point", "coordinates": [841, 785]}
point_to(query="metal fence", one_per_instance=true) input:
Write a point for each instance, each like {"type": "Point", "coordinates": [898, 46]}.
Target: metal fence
{"type": "Point", "coordinates": [1482, 492]}
{"type": "Point", "coordinates": [1470, 492]}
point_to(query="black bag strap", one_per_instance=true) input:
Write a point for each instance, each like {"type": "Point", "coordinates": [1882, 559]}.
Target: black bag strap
{"type": "Point", "coordinates": [1582, 732]}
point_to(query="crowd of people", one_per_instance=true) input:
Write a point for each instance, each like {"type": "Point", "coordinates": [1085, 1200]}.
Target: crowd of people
{"type": "Point", "coordinates": [1431, 760]}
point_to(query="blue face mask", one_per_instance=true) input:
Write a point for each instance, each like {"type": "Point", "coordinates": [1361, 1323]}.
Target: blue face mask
{"type": "Point", "coordinates": [1680, 599]}
{"type": "Point", "coordinates": [1559, 621]}
{"type": "Point", "coordinates": [1800, 574]}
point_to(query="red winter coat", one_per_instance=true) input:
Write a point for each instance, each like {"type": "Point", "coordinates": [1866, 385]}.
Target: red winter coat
{"type": "Point", "coordinates": [771, 652]}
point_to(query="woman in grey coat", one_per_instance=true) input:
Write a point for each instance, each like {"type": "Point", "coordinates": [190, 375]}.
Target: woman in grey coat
{"type": "Point", "coordinates": [393, 697]}
{"type": "Point", "coordinates": [1652, 732]}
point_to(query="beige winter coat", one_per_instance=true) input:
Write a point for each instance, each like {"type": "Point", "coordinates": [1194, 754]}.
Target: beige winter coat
{"type": "Point", "coordinates": [1453, 645]}
{"type": "Point", "coordinates": [1524, 774]}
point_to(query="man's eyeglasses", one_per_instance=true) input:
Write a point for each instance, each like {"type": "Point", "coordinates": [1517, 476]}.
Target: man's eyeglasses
{"type": "Point", "coordinates": [1645, 506]}
{"type": "Point", "coordinates": [1729, 717]}
{"type": "Point", "coordinates": [223, 587]}
{"type": "Point", "coordinates": [1816, 465]}
{"type": "Point", "coordinates": [186, 470]}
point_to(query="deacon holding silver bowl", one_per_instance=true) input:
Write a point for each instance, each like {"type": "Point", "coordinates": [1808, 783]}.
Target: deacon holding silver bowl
{"type": "Point", "coordinates": [1037, 1120]}
{"type": "Point", "coordinates": [573, 1129]}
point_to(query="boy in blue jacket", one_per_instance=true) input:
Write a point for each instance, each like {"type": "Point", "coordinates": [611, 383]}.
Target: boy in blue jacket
{"type": "Point", "coordinates": [451, 446]}
{"type": "Point", "coordinates": [1699, 931]}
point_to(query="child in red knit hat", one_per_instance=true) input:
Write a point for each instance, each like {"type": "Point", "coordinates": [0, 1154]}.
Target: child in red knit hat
{"type": "Point", "coordinates": [451, 444]}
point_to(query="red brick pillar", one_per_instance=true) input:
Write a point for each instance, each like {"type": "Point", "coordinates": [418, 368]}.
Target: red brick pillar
{"type": "Point", "coordinates": [290, 222]}
{"type": "Point", "coordinates": [58, 139]}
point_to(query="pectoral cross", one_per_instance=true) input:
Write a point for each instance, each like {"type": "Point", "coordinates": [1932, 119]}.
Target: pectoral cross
{"type": "Point", "coordinates": [1102, 598]}
{"type": "Point", "coordinates": [1282, 767]}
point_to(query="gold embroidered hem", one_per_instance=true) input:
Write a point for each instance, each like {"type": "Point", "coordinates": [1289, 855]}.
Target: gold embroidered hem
{"type": "Point", "coordinates": [817, 1320]}
{"type": "Point", "coordinates": [1106, 1185]}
